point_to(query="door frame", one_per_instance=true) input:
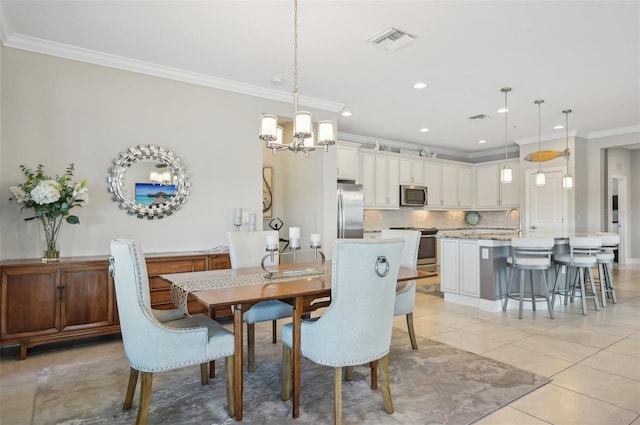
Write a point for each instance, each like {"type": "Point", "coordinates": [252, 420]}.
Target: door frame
{"type": "Point", "coordinates": [623, 230]}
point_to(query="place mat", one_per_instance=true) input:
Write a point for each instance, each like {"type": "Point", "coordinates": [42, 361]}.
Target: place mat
{"type": "Point", "coordinates": [180, 290]}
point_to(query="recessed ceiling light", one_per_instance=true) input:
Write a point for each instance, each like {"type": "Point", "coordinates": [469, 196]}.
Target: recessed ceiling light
{"type": "Point", "coordinates": [482, 141]}
{"type": "Point", "coordinates": [558, 127]}
{"type": "Point", "coordinates": [346, 114]}
{"type": "Point", "coordinates": [424, 130]}
{"type": "Point", "coordinates": [502, 110]}
{"type": "Point", "coordinates": [420, 85]}
{"type": "Point", "coordinates": [276, 80]}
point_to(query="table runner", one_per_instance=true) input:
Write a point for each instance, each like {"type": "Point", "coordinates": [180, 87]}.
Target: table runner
{"type": "Point", "coordinates": [180, 290]}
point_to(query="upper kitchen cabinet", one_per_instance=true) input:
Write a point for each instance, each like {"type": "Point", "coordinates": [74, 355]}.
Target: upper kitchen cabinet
{"type": "Point", "coordinates": [347, 160]}
{"type": "Point", "coordinates": [433, 181]}
{"type": "Point", "coordinates": [380, 180]}
{"type": "Point", "coordinates": [412, 171]}
{"type": "Point", "coordinates": [490, 192]}
{"type": "Point", "coordinates": [457, 186]}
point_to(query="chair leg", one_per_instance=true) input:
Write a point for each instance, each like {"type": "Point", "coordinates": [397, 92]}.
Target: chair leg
{"type": "Point", "coordinates": [603, 286]}
{"type": "Point", "coordinates": [286, 372]}
{"type": "Point", "coordinates": [374, 374]}
{"type": "Point", "coordinates": [231, 394]}
{"type": "Point", "coordinates": [521, 294]}
{"type": "Point", "coordinates": [131, 389]}
{"type": "Point", "coordinates": [582, 291]}
{"type": "Point", "coordinates": [506, 295]}
{"type": "Point", "coordinates": [204, 373]}
{"type": "Point", "coordinates": [145, 398]}
{"type": "Point", "coordinates": [610, 288]}
{"type": "Point", "coordinates": [212, 369]}
{"type": "Point", "coordinates": [533, 290]}
{"type": "Point", "coordinates": [251, 347]}
{"type": "Point", "coordinates": [545, 291]}
{"type": "Point", "coordinates": [593, 289]}
{"type": "Point", "coordinates": [337, 395]}
{"type": "Point", "coordinates": [274, 328]}
{"type": "Point", "coordinates": [386, 389]}
{"type": "Point", "coordinates": [412, 333]}
{"type": "Point", "coordinates": [348, 373]}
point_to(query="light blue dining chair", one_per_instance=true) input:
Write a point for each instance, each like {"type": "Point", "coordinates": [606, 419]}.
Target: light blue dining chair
{"type": "Point", "coordinates": [246, 249]}
{"type": "Point", "coordinates": [356, 327]}
{"type": "Point", "coordinates": [152, 345]}
{"type": "Point", "coordinates": [406, 298]}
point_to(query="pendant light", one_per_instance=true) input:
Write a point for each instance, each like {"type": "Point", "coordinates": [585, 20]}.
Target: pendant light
{"type": "Point", "coordinates": [540, 177]}
{"type": "Point", "coordinates": [567, 180]}
{"type": "Point", "coordinates": [506, 174]}
{"type": "Point", "coordinates": [304, 139]}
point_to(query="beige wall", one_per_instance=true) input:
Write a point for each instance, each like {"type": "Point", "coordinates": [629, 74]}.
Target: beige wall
{"type": "Point", "coordinates": [634, 216]}
{"type": "Point", "coordinates": [57, 111]}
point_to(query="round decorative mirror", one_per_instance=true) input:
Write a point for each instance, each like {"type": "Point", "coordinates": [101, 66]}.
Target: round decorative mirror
{"type": "Point", "coordinates": [148, 181]}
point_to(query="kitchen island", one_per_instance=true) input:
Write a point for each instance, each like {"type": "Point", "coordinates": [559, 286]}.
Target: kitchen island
{"type": "Point", "coordinates": [474, 270]}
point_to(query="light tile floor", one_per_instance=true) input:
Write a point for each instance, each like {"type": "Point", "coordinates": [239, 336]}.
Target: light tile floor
{"type": "Point", "coordinates": [594, 360]}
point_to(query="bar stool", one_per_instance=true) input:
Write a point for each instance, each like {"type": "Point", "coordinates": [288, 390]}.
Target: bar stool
{"type": "Point", "coordinates": [581, 257]}
{"type": "Point", "coordinates": [605, 259]}
{"type": "Point", "coordinates": [533, 254]}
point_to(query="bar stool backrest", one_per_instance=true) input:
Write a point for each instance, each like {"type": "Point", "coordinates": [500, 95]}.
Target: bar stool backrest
{"type": "Point", "coordinates": [528, 248]}
{"type": "Point", "coordinates": [610, 240]}
{"type": "Point", "coordinates": [584, 245]}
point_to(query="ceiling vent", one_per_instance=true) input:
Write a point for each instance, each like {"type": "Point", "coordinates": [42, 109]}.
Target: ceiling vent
{"type": "Point", "coordinates": [479, 117]}
{"type": "Point", "coordinates": [392, 38]}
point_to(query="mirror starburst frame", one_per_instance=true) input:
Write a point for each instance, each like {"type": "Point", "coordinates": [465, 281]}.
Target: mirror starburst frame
{"type": "Point", "coordinates": [122, 164]}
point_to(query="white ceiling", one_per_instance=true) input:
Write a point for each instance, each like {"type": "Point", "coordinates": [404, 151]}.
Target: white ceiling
{"type": "Point", "coordinates": [579, 55]}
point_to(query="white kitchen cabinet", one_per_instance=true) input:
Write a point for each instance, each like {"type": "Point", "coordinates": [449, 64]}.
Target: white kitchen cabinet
{"type": "Point", "coordinates": [433, 181]}
{"type": "Point", "coordinates": [459, 267]}
{"type": "Point", "coordinates": [457, 186]}
{"type": "Point", "coordinates": [379, 177]}
{"type": "Point", "coordinates": [412, 171]}
{"type": "Point", "coordinates": [347, 161]}
{"type": "Point", "coordinates": [487, 186]}
{"type": "Point", "coordinates": [491, 193]}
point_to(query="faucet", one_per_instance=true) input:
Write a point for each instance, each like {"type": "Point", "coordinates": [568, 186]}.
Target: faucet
{"type": "Point", "coordinates": [510, 217]}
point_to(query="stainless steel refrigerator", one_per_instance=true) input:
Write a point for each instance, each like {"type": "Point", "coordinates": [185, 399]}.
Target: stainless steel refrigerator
{"type": "Point", "coordinates": [350, 211]}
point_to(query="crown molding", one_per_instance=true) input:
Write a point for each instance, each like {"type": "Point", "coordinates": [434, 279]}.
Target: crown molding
{"type": "Point", "coordinates": [66, 51]}
{"type": "Point", "coordinates": [614, 132]}
{"type": "Point", "coordinates": [544, 138]}
{"type": "Point", "coordinates": [442, 152]}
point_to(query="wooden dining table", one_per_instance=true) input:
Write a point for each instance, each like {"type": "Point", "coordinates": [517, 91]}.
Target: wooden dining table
{"type": "Point", "coordinates": [243, 287]}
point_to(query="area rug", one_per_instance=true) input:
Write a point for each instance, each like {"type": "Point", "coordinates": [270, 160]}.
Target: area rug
{"type": "Point", "coordinates": [436, 384]}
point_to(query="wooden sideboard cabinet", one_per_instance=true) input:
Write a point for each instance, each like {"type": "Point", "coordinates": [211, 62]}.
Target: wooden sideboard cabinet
{"type": "Point", "coordinates": [75, 297]}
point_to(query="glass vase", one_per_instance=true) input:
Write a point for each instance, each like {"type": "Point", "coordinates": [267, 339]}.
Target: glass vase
{"type": "Point", "coordinates": [50, 230]}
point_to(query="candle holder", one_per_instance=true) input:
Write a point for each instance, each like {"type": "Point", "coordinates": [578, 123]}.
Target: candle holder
{"type": "Point", "coordinates": [307, 270]}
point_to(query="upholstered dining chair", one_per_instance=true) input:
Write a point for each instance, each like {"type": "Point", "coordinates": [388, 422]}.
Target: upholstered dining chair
{"type": "Point", "coordinates": [152, 345]}
{"type": "Point", "coordinates": [406, 298]}
{"type": "Point", "coordinates": [356, 327]}
{"type": "Point", "coordinates": [246, 249]}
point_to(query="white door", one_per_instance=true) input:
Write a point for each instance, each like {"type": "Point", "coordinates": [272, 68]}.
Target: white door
{"type": "Point", "coordinates": [546, 205]}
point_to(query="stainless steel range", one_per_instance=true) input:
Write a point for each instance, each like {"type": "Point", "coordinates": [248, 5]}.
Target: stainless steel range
{"type": "Point", "coordinates": [428, 248]}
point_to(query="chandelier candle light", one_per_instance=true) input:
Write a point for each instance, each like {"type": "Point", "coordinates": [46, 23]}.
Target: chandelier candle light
{"type": "Point", "coordinates": [304, 139]}
{"type": "Point", "coordinates": [567, 180]}
{"type": "Point", "coordinates": [506, 175]}
{"type": "Point", "coordinates": [540, 177]}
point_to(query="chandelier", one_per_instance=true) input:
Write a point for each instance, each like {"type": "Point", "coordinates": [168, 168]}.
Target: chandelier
{"type": "Point", "coordinates": [540, 177]}
{"type": "Point", "coordinates": [567, 180]}
{"type": "Point", "coordinates": [304, 138]}
{"type": "Point", "coordinates": [506, 174]}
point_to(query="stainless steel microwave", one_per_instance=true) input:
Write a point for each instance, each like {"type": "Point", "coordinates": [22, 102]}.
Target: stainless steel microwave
{"type": "Point", "coordinates": [413, 196]}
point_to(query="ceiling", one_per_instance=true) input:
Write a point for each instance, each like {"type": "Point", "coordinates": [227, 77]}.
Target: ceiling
{"type": "Point", "coordinates": [579, 55]}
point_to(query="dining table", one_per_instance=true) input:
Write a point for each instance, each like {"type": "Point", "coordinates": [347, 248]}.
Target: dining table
{"type": "Point", "coordinates": [243, 287]}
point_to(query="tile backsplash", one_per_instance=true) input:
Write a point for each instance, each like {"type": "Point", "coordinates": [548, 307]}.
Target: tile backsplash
{"type": "Point", "coordinates": [443, 220]}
